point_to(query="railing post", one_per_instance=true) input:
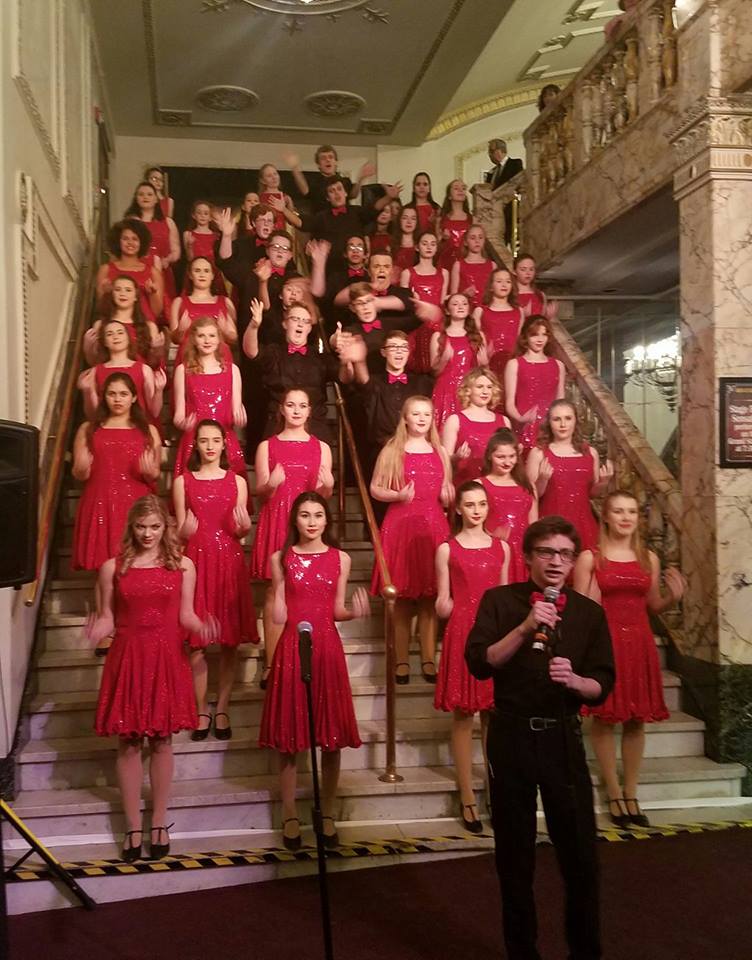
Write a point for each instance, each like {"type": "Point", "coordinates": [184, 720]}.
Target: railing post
{"type": "Point", "coordinates": [390, 775]}
{"type": "Point", "coordinates": [341, 491]}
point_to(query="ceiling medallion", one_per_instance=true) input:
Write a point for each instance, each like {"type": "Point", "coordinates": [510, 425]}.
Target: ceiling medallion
{"type": "Point", "coordinates": [296, 10]}
{"type": "Point", "coordinates": [226, 99]}
{"type": "Point", "coordinates": [334, 103]}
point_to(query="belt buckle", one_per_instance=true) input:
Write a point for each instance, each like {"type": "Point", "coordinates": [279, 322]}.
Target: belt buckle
{"type": "Point", "coordinates": [537, 724]}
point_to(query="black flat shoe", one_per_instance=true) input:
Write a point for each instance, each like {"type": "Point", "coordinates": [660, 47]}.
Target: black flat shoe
{"type": "Point", "coordinates": [264, 678]}
{"type": "Point", "coordinates": [201, 733]}
{"type": "Point", "coordinates": [428, 677]}
{"type": "Point", "coordinates": [638, 818]}
{"type": "Point", "coordinates": [473, 825]}
{"type": "Point", "coordinates": [160, 850]}
{"type": "Point", "coordinates": [131, 853]}
{"type": "Point", "coordinates": [222, 733]}
{"type": "Point", "coordinates": [621, 819]}
{"type": "Point", "coordinates": [101, 650]}
{"type": "Point", "coordinates": [402, 678]}
{"type": "Point", "coordinates": [291, 843]}
{"type": "Point", "coordinates": [331, 840]}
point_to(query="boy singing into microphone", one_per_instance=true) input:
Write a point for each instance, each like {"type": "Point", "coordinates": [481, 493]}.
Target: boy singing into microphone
{"type": "Point", "coordinates": [534, 738]}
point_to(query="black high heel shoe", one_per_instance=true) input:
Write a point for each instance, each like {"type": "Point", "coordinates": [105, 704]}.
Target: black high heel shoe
{"type": "Point", "coordinates": [638, 818]}
{"type": "Point", "coordinates": [201, 734]}
{"type": "Point", "coordinates": [331, 840]}
{"type": "Point", "coordinates": [291, 843]}
{"type": "Point", "coordinates": [131, 853]}
{"type": "Point", "coordinates": [474, 825]}
{"type": "Point", "coordinates": [428, 677]}
{"type": "Point", "coordinates": [160, 850]}
{"type": "Point", "coordinates": [621, 819]}
{"type": "Point", "coordinates": [222, 733]}
{"type": "Point", "coordinates": [264, 678]}
{"type": "Point", "coordinates": [402, 678]}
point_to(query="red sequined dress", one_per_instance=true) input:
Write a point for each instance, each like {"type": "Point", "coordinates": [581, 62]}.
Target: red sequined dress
{"type": "Point", "coordinates": [310, 591]}
{"type": "Point", "coordinates": [476, 434]}
{"type": "Point", "coordinates": [160, 247]}
{"type": "Point", "coordinates": [537, 385]}
{"type": "Point", "coordinates": [114, 485]}
{"type": "Point", "coordinates": [209, 396]}
{"type": "Point", "coordinates": [427, 213]}
{"type": "Point", "coordinates": [147, 686]}
{"type": "Point", "coordinates": [404, 258]}
{"type": "Point", "coordinates": [301, 460]}
{"type": "Point", "coordinates": [533, 301]}
{"type": "Point", "coordinates": [448, 381]}
{"type": "Point", "coordinates": [509, 506]}
{"type": "Point", "coordinates": [202, 245]}
{"type": "Point", "coordinates": [638, 691]}
{"type": "Point", "coordinates": [471, 573]}
{"type": "Point", "coordinates": [380, 243]}
{"type": "Point", "coordinates": [501, 329]}
{"type": "Point", "coordinates": [411, 532]}
{"type": "Point", "coordinates": [475, 275]}
{"type": "Point", "coordinates": [216, 310]}
{"type": "Point", "coordinates": [221, 574]}
{"type": "Point", "coordinates": [451, 245]}
{"type": "Point", "coordinates": [428, 288]}
{"type": "Point", "coordinates": [567, 494]}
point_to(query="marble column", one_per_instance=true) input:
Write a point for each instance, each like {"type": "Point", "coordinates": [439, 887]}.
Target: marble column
{"type": "Point", "coordinates": [713, 188]}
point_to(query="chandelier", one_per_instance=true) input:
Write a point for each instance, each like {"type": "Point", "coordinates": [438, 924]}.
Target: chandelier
{"type": "Point", "coordinates": [656, 365]}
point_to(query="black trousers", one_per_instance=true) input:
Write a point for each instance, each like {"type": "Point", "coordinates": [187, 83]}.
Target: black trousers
{"type": "Point", "coordinates": [519, 761]}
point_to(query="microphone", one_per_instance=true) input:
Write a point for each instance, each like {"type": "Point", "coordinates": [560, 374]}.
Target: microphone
{"type": "Point", "coordinates": [305, 646]}
{"type": "Point", "coordinates": [544, 634]}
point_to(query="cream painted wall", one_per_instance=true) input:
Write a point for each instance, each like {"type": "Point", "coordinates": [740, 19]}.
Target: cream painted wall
{"type": "Point", "coordinates": [49, 84]}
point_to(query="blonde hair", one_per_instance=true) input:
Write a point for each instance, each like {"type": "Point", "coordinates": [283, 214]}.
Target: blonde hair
{"type": "Point", "coordinates": [466, 384]}
{"type": "Point", "coordinates": [191, 359]}
{"type": "Point", "coordinates": [389, 471]}
{"type": "Point", "coordinates": [636, 542]}
{"type": "Point", "coordinates": [170, 550]}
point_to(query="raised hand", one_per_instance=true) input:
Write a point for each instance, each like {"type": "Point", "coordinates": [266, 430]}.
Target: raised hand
{"type": "Point", "coordinates": [160, 379]}
{"type": "Point", "coordinates": [276, 203]}
{"type": "Point", "coordinates": [318, 249]}
{"type": "Point", "coordinates": [338, 337]}
{"type": "Point", "coordinates": [393, 190]}
{"type": "Point", "coordinates": [502, 532]}
{"type": "Point", "coordinates": [352, 349]}
{"type": "Point", "coordinates": [158, 341]}
{"type": "Point", "coordinates": [407, 493]}
{"type": "Point", "coordinates": [189, 527]}
{"type": "Point", "coordinates": [87, 380]}
{"type": "Point", "coordinates": [463, 451]}
{"type": "Point", "coordinates": [242, 520]}
{"type": "Point", "coordinates": [361, 604]}
{"type": "Point", "coordinates": [367, 170]}
{"type": "Point", "coordinates": [552, 309]}
{"type": "Point", "coordinates": [482, 357]}
{"type": "Point", "coordinates": [447, 495]}
{"type": "Point", "coordinates": [239, 416]}
{"type": "Point", "coordinates": [324, 478]}
{"type": "Point", "coordinates": [448, 353]}
{"type": "Point", "coordinates": [91, 341]}
{"type": "Point", "coordinates": [530, 415]}
{"type": "Point", "coordinates": [225, 221]}
{"type": "Point", "coordinates": [276, 477]}
{"type": "Point", "coordinates": [149, 285]}
{"type": "Point", "coordinates": [209, 631]}
{"type": "Point", "coordinates": [148, 463]}
{"type": "Point", "coordinates": [263, 269]}
{"type": "Point", "coordinates": [257, 313]}
{"type": "Point", "coordinates": [606, 471]}
{"type": "Point", "coordinates": [545, 470]}
{"type": "Point", "coordinates": [675, 583]}
{"type": "Point", "coordinates": [188, 422]}
{"type": "Point", "coordinates": [291, 160]}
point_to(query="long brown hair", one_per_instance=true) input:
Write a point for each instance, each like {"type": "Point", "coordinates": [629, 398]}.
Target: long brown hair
{"type": "Point", "coordinates": [488, 292]}
{"type": "Point", "coordinates": [471, 327]}
{"type": "Point", "coordinates": [109, 309]}
{"type": "Point", "coordinates": [446, 206]}
{"type": "Point", "coordinates": [390, 464]}
{"type": "Point", "coordinates": [103, 349]}
{"type": "Point", "coordinates": [546, 434]}
{"type": "Point", "coordinates": [192, 222]}
{"type": "Point", "coordinates": [636, 542]}
{"type": "Point", "coordinates": [194, 461]}
{"type": "Point", "coordinates": [469, 486]}
{"type": "Point", "coordinates": [190, 354]}
{"type": "Point", "coordinates": [170, 551]}
{"type": "Point", "coordinates": [136, 415]}
{"type": "Point", "coordinates": [505, 438]}
{"type": "Point", "coordinates": [135, 211]}
{"type": "Point", "coordinates": [293, 536]}
{"type": "Point", "coordinates": [529, 327]}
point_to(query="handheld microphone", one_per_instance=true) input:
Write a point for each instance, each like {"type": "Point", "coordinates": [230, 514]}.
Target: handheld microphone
{"type": "Point", "coordinates": [305, 646]}
{"type": "Point", "coordinates": [544, 634]}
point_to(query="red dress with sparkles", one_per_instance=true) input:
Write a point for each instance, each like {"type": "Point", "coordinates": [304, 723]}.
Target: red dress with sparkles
{"type": "Point", "coordinates": [476, 434]}
{"type": "Point", "coordinates": [380, 243]}
{"type": "Point", "coordinates": [568, 494]}
{"type": "Point", "coordinates": [501, 329]}
{"type": "Point", "coordinates": [301, 460]}
{"type": "Point", "coordinates": [114, 485]}
{"type": "Point", "coordinates": [404, 258]}
{"type": "Point", "coordinates": [471, 573]}
{"type": "Point", "coordinates": [428, 288]}
{"type": "Point", "coordinates": [310, 591]}
{"type": "Point", "coordinates": [221, 573]}
{"type": "Point", "coordinates": [537, 384]}
{"type": "Point", "coordinates": [197, 311]}
{"type": "Point", "coordinates": [427, 214]}
{"type": "Point", "coordinates": [209, 396]}
{"type": "Point", "coordinates": [448, 381]}
{"type": "Point", "coordinates": [475, 275]}
{"type": "Point", "coordinates": [509, 506]}
{"type": "Point", "coordinates": [160, 247]}
{"type": "Point", "coordinates": [280, 223]}
{"type": "Point", "coordinates": [202, 245]}
{"type": "Point", "coordinates": [451, 246]}
{"type": "Point", "coordinates": [147, 686]}
{"type": "Point", "coordinates": [638, 690]}
{"type": "Point", "coordinates": [533, 300]}
{"type": "Point", "coordinates": [411, 532]}
{"type": "Point", "coordinates": [140, 278]}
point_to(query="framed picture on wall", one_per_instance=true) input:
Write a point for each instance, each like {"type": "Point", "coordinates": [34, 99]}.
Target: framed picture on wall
{"type": "Point", "coordinates": [735, 412]}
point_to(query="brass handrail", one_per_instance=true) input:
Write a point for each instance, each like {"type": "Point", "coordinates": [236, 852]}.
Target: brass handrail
{"type": "Point", "coordinates": [388, 590]}
{"type": "Point", "coordinates": [68, 391]}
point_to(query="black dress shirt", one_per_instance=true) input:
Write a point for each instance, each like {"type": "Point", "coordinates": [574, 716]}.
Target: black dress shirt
{"type": "Point", "coordinates": [383, 401]}
{"type": "Point", "coordinates": [317, 184]}
{"type": "Point", "coordinates": [388, 320]}
{"type": "Point", "coordinates": [337, 228]}
{"type": "Point", "coordinates": [522, 686]}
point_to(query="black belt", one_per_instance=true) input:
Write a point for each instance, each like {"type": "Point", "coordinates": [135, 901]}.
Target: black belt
{"type": "Point", "coordinates": [538, 724]}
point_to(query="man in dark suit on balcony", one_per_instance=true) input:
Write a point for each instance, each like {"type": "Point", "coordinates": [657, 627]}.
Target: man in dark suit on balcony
{"type": "Point", "coordinates": [505, 167]}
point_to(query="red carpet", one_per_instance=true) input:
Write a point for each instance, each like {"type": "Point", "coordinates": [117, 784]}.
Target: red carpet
{"type": "Point", "coordinates": [679, 898]}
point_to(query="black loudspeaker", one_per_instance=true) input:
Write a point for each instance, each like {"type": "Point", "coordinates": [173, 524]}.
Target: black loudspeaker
{"type": "Point", "coordinates": [19, 508]}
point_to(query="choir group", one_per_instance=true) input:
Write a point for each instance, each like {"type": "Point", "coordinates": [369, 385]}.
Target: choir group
{"type": "Point", "coordinates": [461, 423]}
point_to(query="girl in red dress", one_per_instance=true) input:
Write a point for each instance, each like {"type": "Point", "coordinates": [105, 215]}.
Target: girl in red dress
{"type": "Point", "coordinates": [199, 301]}
{"type": "Point", "coordinates": [128, 244]}
{"type": "Point", "coordinates": [455, 220]}
{"type": "Point", "coordinates": [470, 273]}
{"type": "Point", "coordinates": [244, 224]}
{"type": "Point", "coordinates": [165, 240]}
{"type": "Point", "coordinates": [413, 475]}
{"type": "Point", "coordinates": [309, 577]}
{"type": "Point", "coordinates": [423, 201]}
{"type": "Point", "coordinates": [512, 505]}
{"type": "Point", "coordinates": [430, 284]}
{"type": "Point", "coordinates": [122, 304]}
{"type": "Point", "coordinates": [207, 387]}
{"type": "Point", "coordinates": [211, 509]}
{"type": "Point", "coordinates": [116, 456]}
{"type": "Point", "coordinates": [532, 380]}
{"type": "Point", "coordinates": [286, 465]}
{"type": "Point", "coordinates": [199, 241]}
{"type": "Point", "coordinates": [145, 596]}
{"type": "Point", "coordinates": [455, 351]}
{"type": "Point", "coordinates": [529, 297]}
{"type": "Point", "coordinates": [158, 179]}
{"type": "Point", "coordinates": [466, 566]}
{"type": "Point", "coordinates": [567, 473]}
{"type": "Point", "coordinates": [499, 319]}
{"type": "Point", "coordinates": [625, 578]}
{"type": "Point", "coordinates": [380, 235]}
{"type": "Point", "coordinates": [466, 434]}
{"type": "Point", "coordinates": [403, 240]}
{"type": "Point", "coordinates": [118, 347]}
{"type": "Point", "coordinates": [272, 196]}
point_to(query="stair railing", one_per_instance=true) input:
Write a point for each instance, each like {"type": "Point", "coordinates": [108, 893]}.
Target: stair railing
{"type": "Point", "coordinates": [52, 462]}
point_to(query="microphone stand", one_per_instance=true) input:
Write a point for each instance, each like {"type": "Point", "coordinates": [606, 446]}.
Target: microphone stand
{"type": "Point", "coordinates": [304, 650]}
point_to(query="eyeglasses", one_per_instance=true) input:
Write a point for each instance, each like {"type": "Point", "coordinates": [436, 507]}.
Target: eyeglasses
{"type": "Point", "coordinates": [548, 553]}
{"type": "Point", "coordinates": [278, 246]}
{"type": "Point", "coordinates": [355, 246]}
{"type": "Point", "coordinates": [397, 348]}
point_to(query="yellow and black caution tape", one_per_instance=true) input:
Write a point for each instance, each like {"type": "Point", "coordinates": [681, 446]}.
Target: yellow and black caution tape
{"type": "Point", "coordinates": [375, 848]}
